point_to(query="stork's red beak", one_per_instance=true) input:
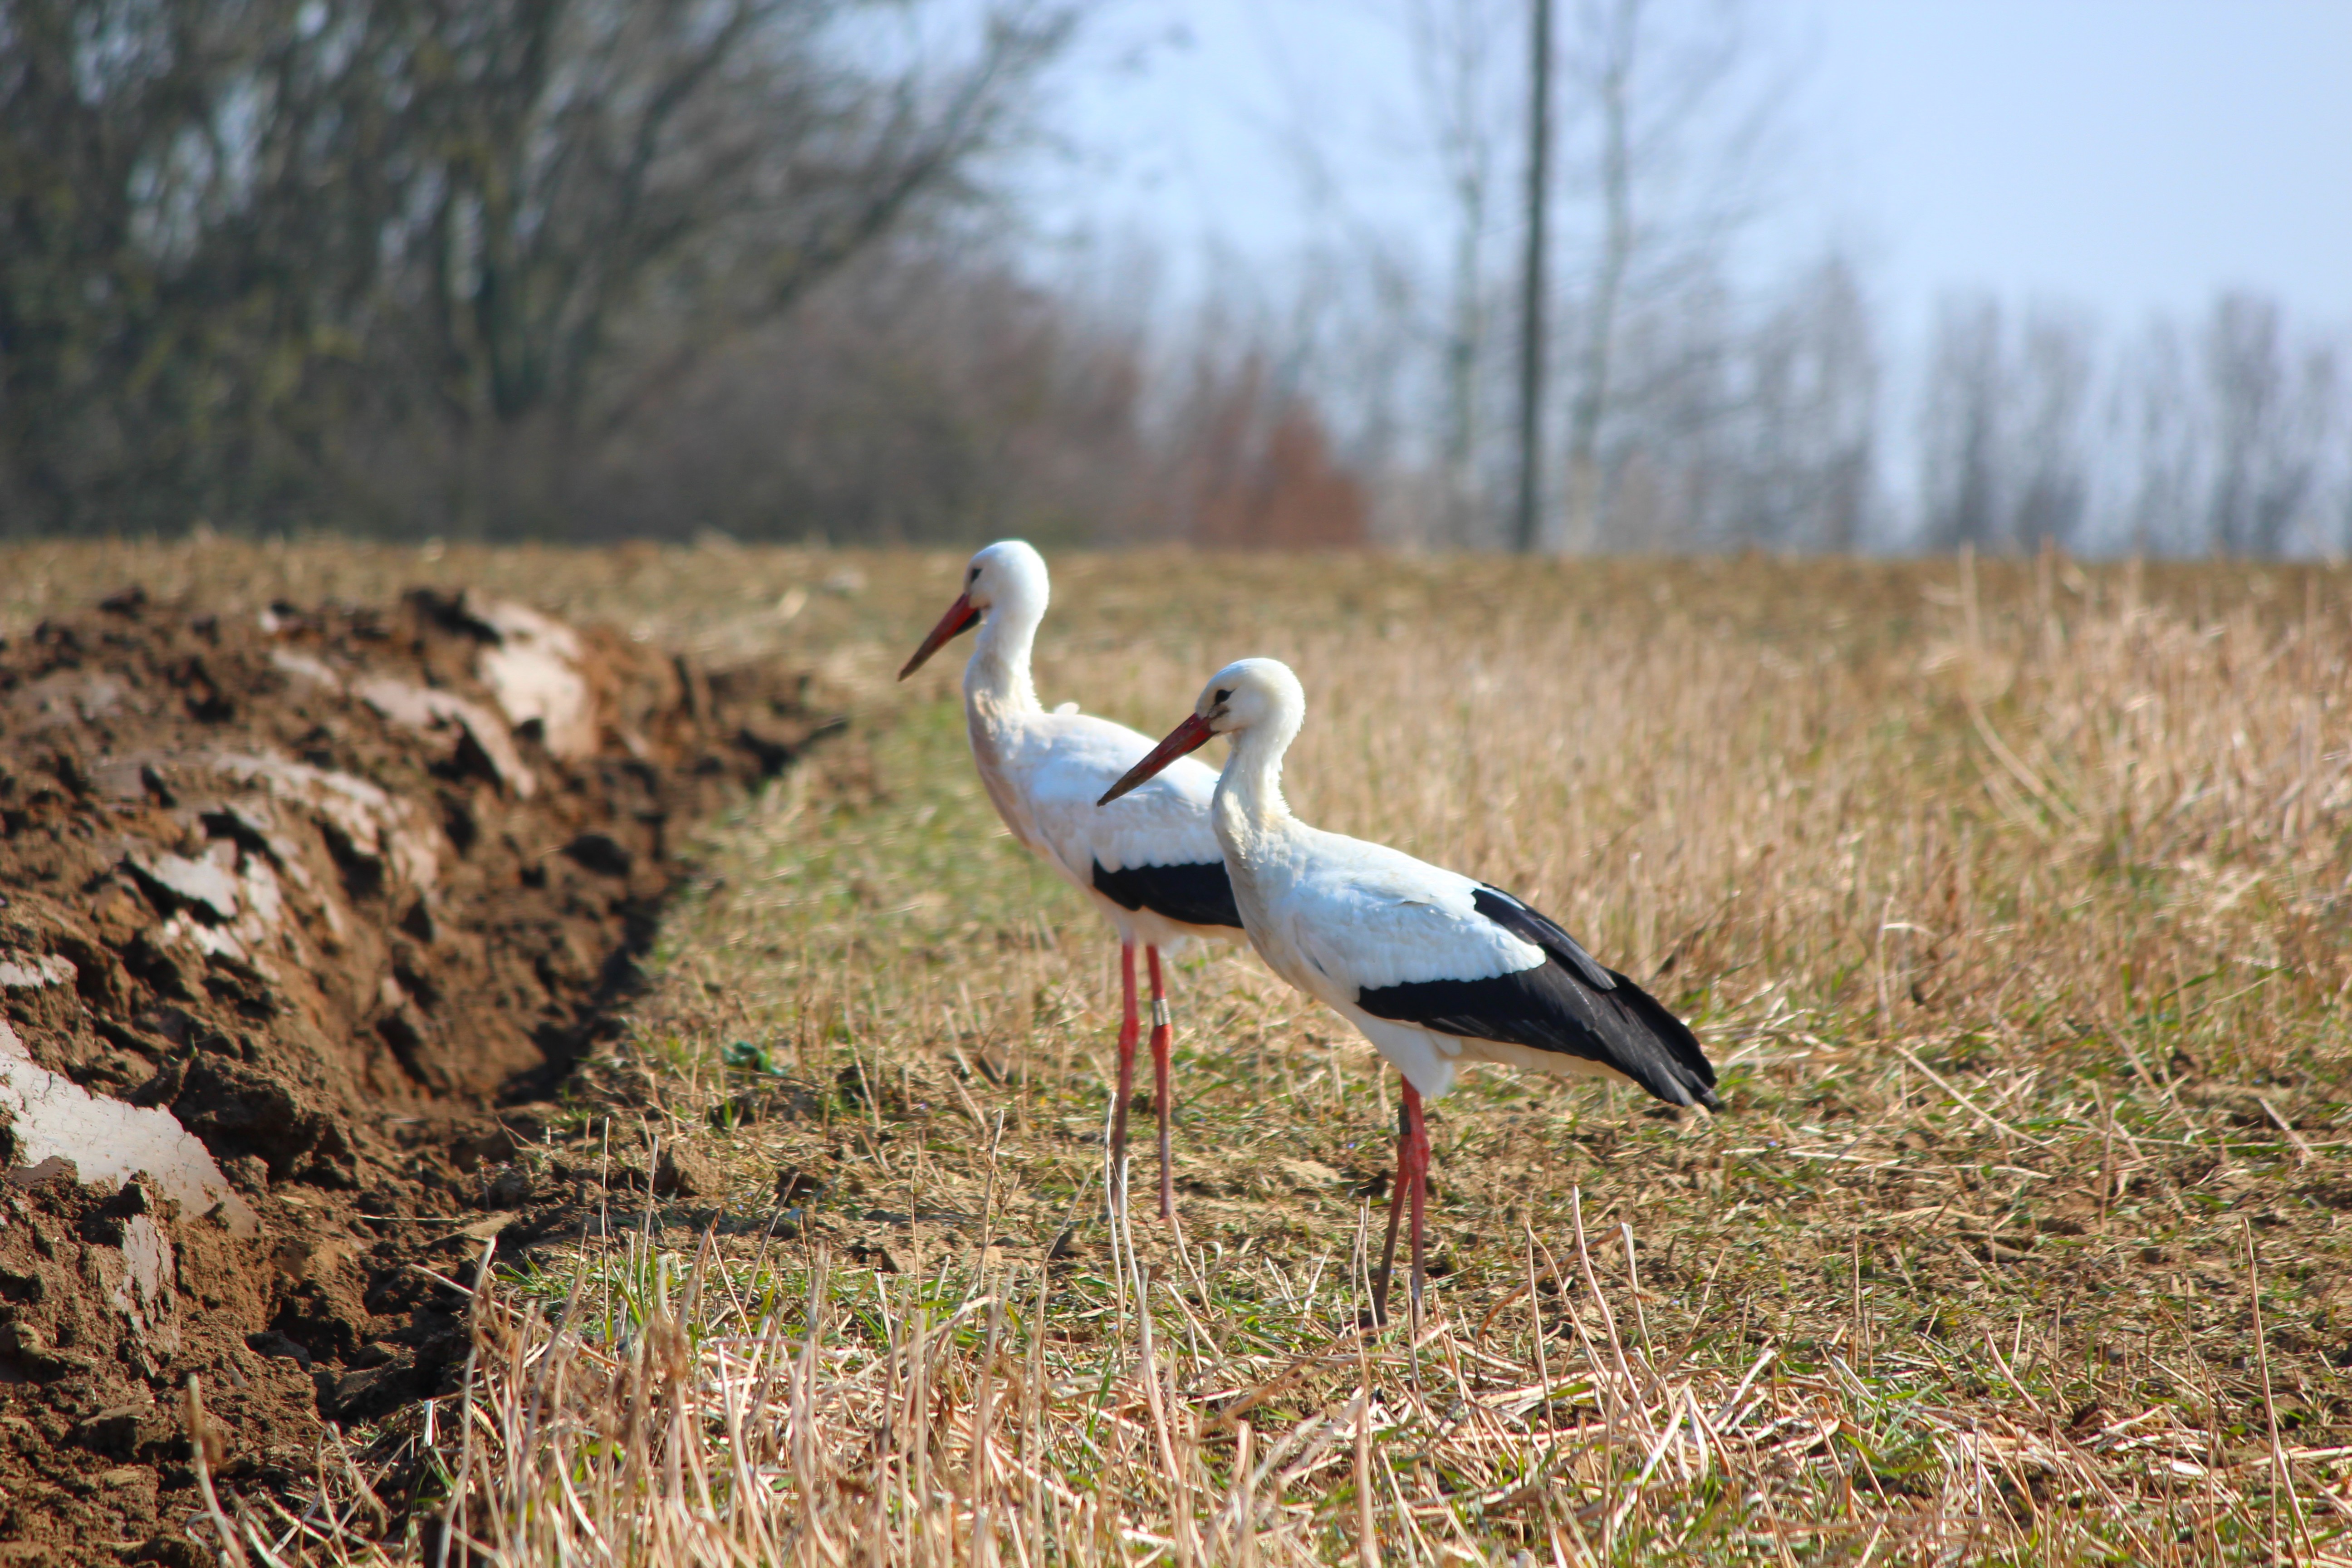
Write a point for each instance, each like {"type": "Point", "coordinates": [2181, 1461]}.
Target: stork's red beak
{"type": "Point", "coordinates": [960, 616]}
{"type": "Point", "coordinates": [1189, 736]}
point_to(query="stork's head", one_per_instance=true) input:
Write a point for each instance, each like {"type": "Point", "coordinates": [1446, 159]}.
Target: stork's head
{"type": "Point", "coordinates": [1247, 694]}
{"type": "Point", "coordinates": [1008, 573]}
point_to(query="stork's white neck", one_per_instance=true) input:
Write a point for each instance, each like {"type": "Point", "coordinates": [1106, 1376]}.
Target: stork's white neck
{"type": "Point", "coordinates": [996, 682]}
{"type": "Point", "coordinates": [1249, 812]}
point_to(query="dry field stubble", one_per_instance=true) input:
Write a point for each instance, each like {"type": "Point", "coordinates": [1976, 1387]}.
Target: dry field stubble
{"type": "Point", "coordinates": [2014, 900]}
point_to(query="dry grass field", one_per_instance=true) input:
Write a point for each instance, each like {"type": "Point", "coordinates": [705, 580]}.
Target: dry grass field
{"type": "Point", "coordinates": [2015, 901]}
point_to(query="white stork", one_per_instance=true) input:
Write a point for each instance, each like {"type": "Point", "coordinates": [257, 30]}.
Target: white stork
{"type": "Point", "coordinates": [1435, 969]}
{"type": "Point", "coordinates": [1151, 866]}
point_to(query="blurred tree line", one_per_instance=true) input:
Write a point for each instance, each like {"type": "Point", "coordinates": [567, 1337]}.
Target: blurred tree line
{"type": "Point", "coordinates": [1705, 399]}
{"type": "Point", "coordinates": [605, 268]}
{"type": "Point", "coordinates": [578, 269]}
{"type": "Point", "coordinates": [2230, 433]}
{"type": "Point", "coordinates": [420, 264]}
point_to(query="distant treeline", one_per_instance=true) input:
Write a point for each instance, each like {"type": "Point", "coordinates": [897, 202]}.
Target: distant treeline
{"type": "Point", "coordinates": [1783, 420]}
{"type": "Point", "coordinates": [566, 269]}
{"type": "Point", "coordinates": [450, 266]}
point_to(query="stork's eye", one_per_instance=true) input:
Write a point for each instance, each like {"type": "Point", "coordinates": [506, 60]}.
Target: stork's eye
{"type": "Point", "coordinates": [971, 576]}
{"type": "Point", "coordinates": [1225, 694]}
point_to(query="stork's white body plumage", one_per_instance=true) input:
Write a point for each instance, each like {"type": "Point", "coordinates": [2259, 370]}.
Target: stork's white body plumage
{"type": "Point", "coordinates": [1338, 917]}
{"type": "Point", "coordinates": [1150, 864]}
{"type": "Point", "coordinates": [1434, 969]}
{"type": "Point", "coordinates": [1043, 771]}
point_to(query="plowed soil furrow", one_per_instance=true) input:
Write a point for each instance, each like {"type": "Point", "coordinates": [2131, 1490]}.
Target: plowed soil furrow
{"type": "Point", "coordinates": [304, 919]}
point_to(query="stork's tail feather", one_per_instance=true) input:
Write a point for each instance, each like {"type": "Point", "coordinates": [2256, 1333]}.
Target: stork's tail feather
{"type": "Point", "coordinates": [1676, 1070]}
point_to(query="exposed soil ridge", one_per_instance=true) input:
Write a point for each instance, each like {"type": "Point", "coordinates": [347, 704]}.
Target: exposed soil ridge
{"type": "Point", "coordinates": [303, 918]}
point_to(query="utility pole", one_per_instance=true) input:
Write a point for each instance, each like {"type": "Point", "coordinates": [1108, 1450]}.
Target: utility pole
{"type": "Point", "coordinates": [1528, 534]}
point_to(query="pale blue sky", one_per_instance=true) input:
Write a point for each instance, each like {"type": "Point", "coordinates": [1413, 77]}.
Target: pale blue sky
{"type": "Point", "coordinates": [2126, 154]}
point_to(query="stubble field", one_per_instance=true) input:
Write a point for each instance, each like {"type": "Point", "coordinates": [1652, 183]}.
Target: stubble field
{"type": "Point", "coordinates": [2014, 900]}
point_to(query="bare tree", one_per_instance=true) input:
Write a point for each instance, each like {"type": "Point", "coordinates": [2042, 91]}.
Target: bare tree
{"type": "Point", "coordinates": [2270, 416]}
{"type": "Point", "coordinates": [1611, 29]}
{"type": "Point", "coordinates": [1672, 108]}
{"type": "Point", "coordinates": [1962, 453]}
{"type": "Point", "coordinates": [1455, 51]}
{"type": "Point", "coordinates": [484, 218]}
{"type": "Point", "coordinates": [2051, 401]}
{"type": "Point", "coordinates": [2229, 439]}
{"type": "Point", "coordinates": [1678, 110]}
{"type": "Point", "coordinates": [129, 229]}
{"type": "Point", "coordinates": [2154, 437]}
{"type": "Point", "coordinates": [1802, 471]}
{"type": "Point", "coordinates": [928, 395]}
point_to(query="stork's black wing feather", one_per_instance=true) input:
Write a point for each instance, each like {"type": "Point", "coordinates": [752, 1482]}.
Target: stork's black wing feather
{"type": "Point", "coordinates": [1199, 894]}
{"type": "Point", "coordinates": [1569, 1004]}
{"type": "Point", "coordinates": [1538, 930]}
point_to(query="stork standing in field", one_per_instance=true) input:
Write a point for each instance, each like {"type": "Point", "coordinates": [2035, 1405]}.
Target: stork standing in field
{"type": "Point", "coordinates": [1435, 969]}
{"type": "Point", "coordinates": [1150, 866]}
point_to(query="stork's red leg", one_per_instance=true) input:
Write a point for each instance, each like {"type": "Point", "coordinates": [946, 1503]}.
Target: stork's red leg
{"type": "Point", "coordinates": [1388, 1247]}
{"type": "Point", "coordinates": [1408, 1189]}
{"type": "Point", "coordinates": [1416, 1146]}
{"type": "Point", "coordinates": [1163, 1037]}
{"type": "Point", "coordinates": [1129, 1027]}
